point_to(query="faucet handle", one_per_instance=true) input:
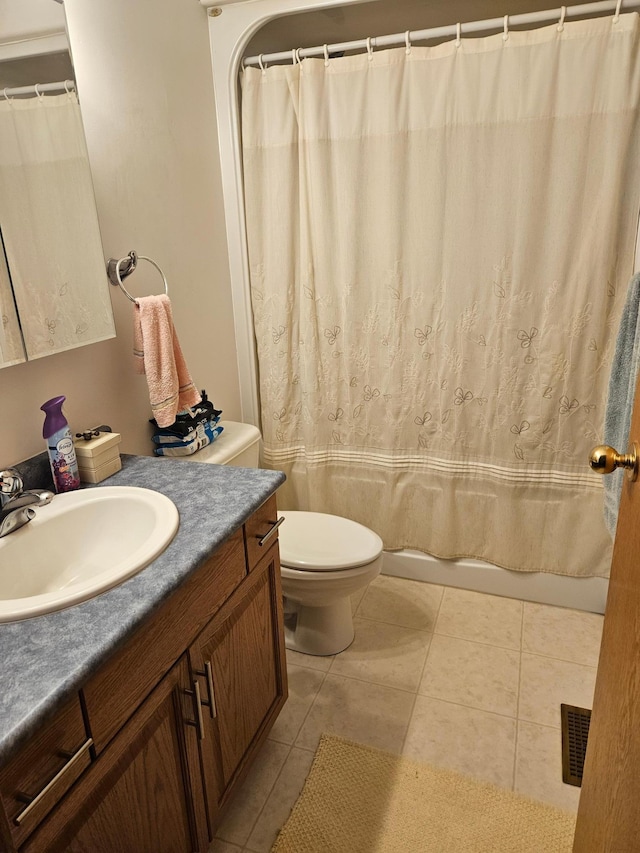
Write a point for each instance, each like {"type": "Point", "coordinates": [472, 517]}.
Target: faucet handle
{"type": "Point", "coordinates": [10, 484]}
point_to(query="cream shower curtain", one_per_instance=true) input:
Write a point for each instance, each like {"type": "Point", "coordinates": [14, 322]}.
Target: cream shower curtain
{"type": "Point", "coordinates": [439, 245]}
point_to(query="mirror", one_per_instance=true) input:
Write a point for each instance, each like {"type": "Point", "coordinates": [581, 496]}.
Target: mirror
{"type": "Point", "coordinates": [54, 292]}
{"type": "Point", "coordinates": [11, 344]}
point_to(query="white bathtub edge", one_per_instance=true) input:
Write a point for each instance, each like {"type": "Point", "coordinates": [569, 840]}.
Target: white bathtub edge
{"type": "Point", "coordinates": [588, 594]}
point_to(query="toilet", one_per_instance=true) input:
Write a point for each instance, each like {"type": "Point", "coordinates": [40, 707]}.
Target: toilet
{"type": "Point", "coordinates": [324, 558]}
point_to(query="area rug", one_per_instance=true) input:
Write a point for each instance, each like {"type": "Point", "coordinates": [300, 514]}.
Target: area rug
{"type": "Point", "coordinates": [358, 799]}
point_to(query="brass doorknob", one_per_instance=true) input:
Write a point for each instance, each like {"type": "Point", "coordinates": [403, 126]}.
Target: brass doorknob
{"type": "Point", "coordinates": [604, 459]}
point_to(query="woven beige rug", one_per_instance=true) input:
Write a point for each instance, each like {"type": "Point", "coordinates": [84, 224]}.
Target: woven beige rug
{"type": "Point", "coordinates": [358, 799]}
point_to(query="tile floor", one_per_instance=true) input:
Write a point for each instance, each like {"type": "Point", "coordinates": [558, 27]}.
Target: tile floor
{"type": "Point", "coordinates": [456, 678]}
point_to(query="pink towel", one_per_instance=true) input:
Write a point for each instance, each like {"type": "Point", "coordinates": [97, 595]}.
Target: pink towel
{"type": "Point", "coordinates": [157, 353]}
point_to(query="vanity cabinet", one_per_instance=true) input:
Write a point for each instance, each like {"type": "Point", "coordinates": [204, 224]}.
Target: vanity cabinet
{"type": "Point", "coordinates": [176, 716]}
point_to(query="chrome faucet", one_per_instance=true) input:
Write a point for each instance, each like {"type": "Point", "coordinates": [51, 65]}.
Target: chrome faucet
{"type": "Point", "coordinates": [16, 504]}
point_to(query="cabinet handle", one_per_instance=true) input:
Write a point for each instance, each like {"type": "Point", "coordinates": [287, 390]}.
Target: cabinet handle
{"type": "Point", "coordinates": [24, 814]}
{"type": "Point", "coordinates": [212, 695]}
{"type": "Point", "coordinates": [274, 526]}
{"type": "Point", "coordinates": [199, 722]}
{"type": "Point", "coordinates": [208, 674]}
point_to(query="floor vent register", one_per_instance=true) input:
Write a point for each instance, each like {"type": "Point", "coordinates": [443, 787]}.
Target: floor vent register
{"type": "Point", "coordinates": [575, 731]}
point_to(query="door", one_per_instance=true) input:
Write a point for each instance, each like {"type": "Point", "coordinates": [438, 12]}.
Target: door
{"type": "Point", "coordinates": [609, 811]}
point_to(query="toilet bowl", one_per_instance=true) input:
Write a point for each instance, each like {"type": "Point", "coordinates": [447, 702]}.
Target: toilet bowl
{"type": "Point", "coordinates": [324, 558]}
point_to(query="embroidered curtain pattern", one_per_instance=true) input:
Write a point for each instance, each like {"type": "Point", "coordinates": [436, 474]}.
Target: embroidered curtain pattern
{"type": "Point", "coordinates": [439, 246]}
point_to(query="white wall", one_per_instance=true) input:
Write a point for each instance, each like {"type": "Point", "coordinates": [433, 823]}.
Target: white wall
{"type": "Point", "coordinates": [144, 81]}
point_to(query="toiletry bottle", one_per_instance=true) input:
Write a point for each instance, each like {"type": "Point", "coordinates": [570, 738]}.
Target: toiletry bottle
{"type": "Point", "coordinates": [62, 454]}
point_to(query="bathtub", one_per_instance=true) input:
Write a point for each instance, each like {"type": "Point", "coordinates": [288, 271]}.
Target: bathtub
{"type": "Point", "coordinates": [588, 594]}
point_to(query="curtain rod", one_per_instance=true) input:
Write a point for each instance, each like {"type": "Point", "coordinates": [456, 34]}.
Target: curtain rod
{"type": "Point", "coordinates": [39, 89]}
{"type": "Point", "coordinates": [545, 17]}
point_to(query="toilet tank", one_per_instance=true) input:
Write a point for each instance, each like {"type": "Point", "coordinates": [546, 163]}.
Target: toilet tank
{"type": "Point", "coordinates": [239, 445]}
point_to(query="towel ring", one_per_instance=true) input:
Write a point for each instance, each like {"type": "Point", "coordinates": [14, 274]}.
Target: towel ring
{"type": "Point", "coordinates": [116, 274]}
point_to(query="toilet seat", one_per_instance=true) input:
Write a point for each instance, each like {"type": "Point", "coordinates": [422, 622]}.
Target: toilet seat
{"type": "Point", "coordinates": [318, 542]}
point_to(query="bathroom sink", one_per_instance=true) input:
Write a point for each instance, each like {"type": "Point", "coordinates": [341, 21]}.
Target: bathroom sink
{"type": "Point", "coordinates": [80, 545]}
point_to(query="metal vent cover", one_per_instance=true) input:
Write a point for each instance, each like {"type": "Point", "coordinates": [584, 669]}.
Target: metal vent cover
{"type": "Point", "coordinates": [575, 732]}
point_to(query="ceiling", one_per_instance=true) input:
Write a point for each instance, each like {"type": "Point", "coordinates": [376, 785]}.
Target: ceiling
{"type": "Point", "coordinates": [381, 17]}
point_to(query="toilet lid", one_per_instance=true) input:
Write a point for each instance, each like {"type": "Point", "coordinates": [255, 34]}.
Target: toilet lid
{"type": "Point", "coordinates": [317, 542]}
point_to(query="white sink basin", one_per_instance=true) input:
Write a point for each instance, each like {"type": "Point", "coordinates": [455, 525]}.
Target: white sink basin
{"type": "Point", "coordinates": [80, 545]}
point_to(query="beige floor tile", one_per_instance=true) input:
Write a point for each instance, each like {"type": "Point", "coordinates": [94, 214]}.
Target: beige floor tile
{"type": "Point", "coordinates": [303, 687]}
{"type": "Point", "coordinates": [320, 662]}
{"type": "Point", "coordinates": [412, 604]}
{"type": "Point", "coordinates": [476, 743]}
{"type": "Point", "coordinates": [539, 767]}
{"type": "Point", "coordinates": [219, 846]}
{"type": "Point", "coordinates": [254, 791]}
{"type": "Point", "coordinates": [480, 617]}
{"type": "Point", "coordinates": [471, 672]}
{"type": "Point", "coordinates": [364, 712]}
{"type": "Point", "coordinates": [560, 633]}
{"type": "Point", "coordinates": [546, 683]}
{"type": "Point", "coordinates": [384, 654]}
{"type": "Point", "coordinates": [474, 674]}
{"type": "Point", "coordinates": [281, 800]}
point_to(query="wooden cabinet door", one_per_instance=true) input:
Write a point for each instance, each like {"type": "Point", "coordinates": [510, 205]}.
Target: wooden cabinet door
{"type": "Point", "coordinates": [240, 662]}
{"type": "Point", "coordinates": [609, 811]}
{"type": "Point", "coordinates": [144, 794]}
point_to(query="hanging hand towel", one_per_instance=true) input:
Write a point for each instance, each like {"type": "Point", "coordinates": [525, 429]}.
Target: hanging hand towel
{"type": "Point", "coordinates": [622, 387]}
{"type": "Point", "coordinates": [157, 354]}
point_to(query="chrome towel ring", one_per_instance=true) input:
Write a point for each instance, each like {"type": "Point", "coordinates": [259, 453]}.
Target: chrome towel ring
{"type": "Point", "coordinates": [117, 270]}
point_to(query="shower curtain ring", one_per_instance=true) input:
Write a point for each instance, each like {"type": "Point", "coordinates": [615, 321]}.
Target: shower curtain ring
{"type": "Point", "coordinates": [407, 41]}
{"type": "Point", "coordinates": [326, 55]}
{"type": "Point", "coordinates": [263, 68]}
{"type": "Point", "coordinates": [458, 41]}
{"type": "Point", "coordinates": [563, 12]}
{"type": "Point", "coordinates": [39, 94]}
{"type": "Point", "coordinates": [6, 97]}
{"type": "Point", "coordinates": [297, 52]}
{"type": "Point", "coordinates": [369, 48]}
{"type": "Point", "coordinates": [505, 34]}
{"type": "Point", "coordinates": [616, 17]}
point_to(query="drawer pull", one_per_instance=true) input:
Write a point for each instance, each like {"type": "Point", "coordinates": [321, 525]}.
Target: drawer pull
{"type": "Point", "coordinates": [274, 526]}
{"type": "Point", "coordinates": [199, 722]}
{"type": "Point", "coordinates": [24, 814]}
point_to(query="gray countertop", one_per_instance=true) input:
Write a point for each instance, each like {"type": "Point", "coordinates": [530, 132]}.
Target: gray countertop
{"type": "Point", "coordinates": [43, 660]}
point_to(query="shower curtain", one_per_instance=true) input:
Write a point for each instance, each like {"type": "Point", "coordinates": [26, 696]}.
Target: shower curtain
{"type": "Point", "coordinates": [439, 243]}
